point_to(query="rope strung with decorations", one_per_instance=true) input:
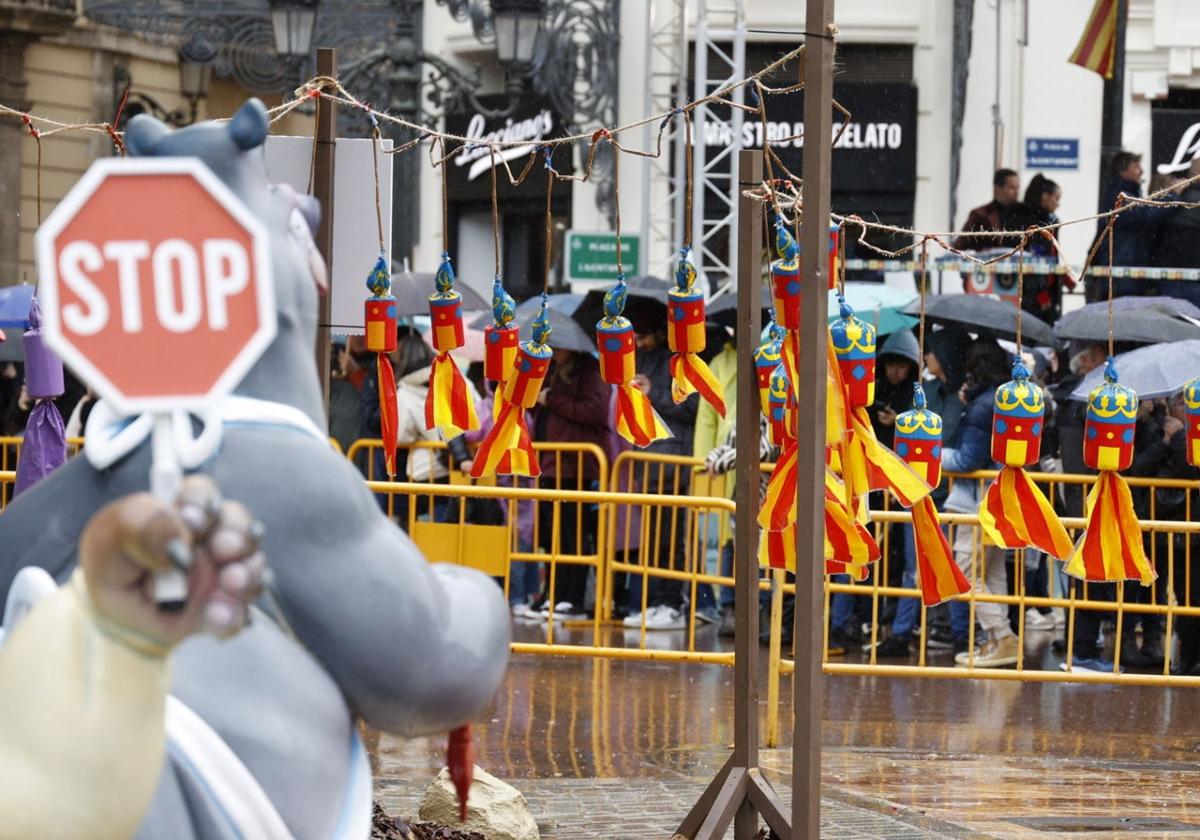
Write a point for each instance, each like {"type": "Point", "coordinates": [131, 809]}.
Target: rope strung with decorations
{"type": "Point", "coordinates": [1111, 546]}
{"type": "Point", "coordinates": [1015, 513]}
{"type": "Point", "coordinates": [918, 442]}
{"type": "Point", "coordinates": [636, 419]}
{"type": "Point", "coordinates": [448, 404]}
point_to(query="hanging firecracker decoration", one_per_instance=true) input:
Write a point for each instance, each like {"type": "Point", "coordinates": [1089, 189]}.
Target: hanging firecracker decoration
{"type": "Point", "coordinates": [1191, 404]}
{"type": "Point", "coordinates": [637, 421]}
{"type": "Point", "coordinates": [849, 547]}
{"type": "Point", "coordinates": [448, 403]}
{"type": "Point", "coordinates": [835, 238]}
{"type": "Point", "coordinates": [785, 279]}
{"type": "Point", "coordinates": [1015, 513]}
{"type": "Point", "coordinates": [866, 463]}
{"type": "Point", "coordinates": [1111, 546]}
{"type": "Point", "coordinates": [686, 338]}
{"type": "Point", "coordinates": [854, 346]}
{"type": "Point", "coordinates": [766, 359]}
{"type": "Point", "coordinates": [380, 327]}
{"type": "Point", "coordinates": [919, 444]}
{"type": "Point", "coordinates": [502, 336]}
{"type": "Point", "coordinates": [508, 448]}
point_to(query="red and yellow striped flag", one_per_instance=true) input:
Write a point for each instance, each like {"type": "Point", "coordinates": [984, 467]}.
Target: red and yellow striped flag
{"type": "Point", "coordinates": [1097, 48]}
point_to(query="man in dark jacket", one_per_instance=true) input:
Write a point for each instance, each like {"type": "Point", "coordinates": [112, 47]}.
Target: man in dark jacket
{"type": "Point", "coordinates": [1134, 232]}
{"type": "Point", "coordinates": [1178, 244]}
{"type": "Point", "coordinates": [1003, 212]}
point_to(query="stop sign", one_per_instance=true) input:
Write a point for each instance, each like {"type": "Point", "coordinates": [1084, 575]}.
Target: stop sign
{"type": "Point", "coordinates": [155, 283]}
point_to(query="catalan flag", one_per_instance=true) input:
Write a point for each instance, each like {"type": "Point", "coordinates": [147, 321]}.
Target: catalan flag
{"type": "Point", "coordinates": [1097, 47]}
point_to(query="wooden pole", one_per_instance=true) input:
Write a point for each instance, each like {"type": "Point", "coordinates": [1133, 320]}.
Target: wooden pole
{"type": "Point", "coordinates": [810, 391]}
{"type": "Point", "coordinates": [323, 192]}
{"type": "Point", "coordinates": [745, 544]}
{"type": "Point", "coordinates": [739, 793]}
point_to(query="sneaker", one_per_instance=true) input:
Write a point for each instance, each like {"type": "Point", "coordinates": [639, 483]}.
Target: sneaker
{"type": "Point", "coordinates": [994, 653]}
{"type": "Point", "coordinates": [893, 647]}
{"type": "Point", "coordinates": [728, 624]}
{"type": "Point", "coordinates": [1152, 650]}
{"type": "Point", "coordinates": [1060, 618]}
{"type": "Point", "coordinates": [563, 611]}
{"type": "Point", "coordinates": [842, 639]}
{"type": "Point", "coordinates": [633, 620]}
{"type": "Point", "coordinates": [526, 611]}
{"type": "Point", "coordinates": [665, 618]}
{"type": "Point", "coordinates": [940, 638]}
{"type": "Point", "coordinates": [1038, 621]}
{"type": "Point", "coordinates": [1095, 666]}
{"type": "Point", "coordinates": [708, 615]}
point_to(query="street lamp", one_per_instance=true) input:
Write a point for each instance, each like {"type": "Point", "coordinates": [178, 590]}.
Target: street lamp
{"type": "Point", "coordinates": [196, 58]}
{"type": "Point", "coordinates": [293, 22]}
{"type": "Point", "coordinates": [517, 24]}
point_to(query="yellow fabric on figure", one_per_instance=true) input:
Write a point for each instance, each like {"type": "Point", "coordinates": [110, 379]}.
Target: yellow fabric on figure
{"type": "Point", "coordinates": [81, 723]}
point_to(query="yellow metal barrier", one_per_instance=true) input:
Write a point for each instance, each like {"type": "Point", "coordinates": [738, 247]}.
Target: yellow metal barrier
{"type": "Point", "coordinates": [556, 498]}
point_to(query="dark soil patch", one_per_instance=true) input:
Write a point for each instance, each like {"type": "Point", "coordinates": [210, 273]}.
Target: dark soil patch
{"type": "Point", "coordinates": [385, 827]}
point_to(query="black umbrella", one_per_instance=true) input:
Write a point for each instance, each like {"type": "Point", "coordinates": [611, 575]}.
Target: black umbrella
{"type": "Point", "coordinates": [646, 306]}
{"type": "Point", "coordinates": [981, 314]}
{"type": "Point", "coordinates": [413, 288]}
{"type": "Point", "coordinates": [565, 332]}
{"type": "Point", "coordinates": [724, 309]}
{"type": "Point", "coordinates": [1147, 323]}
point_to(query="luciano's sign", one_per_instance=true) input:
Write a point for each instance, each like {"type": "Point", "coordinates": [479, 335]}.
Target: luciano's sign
{"type": "Point", "coordinates": [532, 122]}
{"type": "Point", "coordinates": [877, 152]}
{"type": "Point", "coordinates": [1175, 139]}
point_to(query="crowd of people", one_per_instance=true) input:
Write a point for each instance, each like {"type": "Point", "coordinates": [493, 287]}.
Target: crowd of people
{"type": "Point", "coordinates": [1144, 236]}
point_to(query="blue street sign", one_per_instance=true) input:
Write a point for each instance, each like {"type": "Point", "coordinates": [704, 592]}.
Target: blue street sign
{"type": "Point", "coordinates": [1051, 153]}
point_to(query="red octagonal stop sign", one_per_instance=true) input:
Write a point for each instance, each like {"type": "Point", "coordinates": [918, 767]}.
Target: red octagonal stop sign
{"type": "Point", "coordinates": [155, 283]}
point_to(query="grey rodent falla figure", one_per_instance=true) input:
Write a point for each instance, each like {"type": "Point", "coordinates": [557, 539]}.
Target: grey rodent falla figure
{"type": "Point", "coordinates": [369, 628]}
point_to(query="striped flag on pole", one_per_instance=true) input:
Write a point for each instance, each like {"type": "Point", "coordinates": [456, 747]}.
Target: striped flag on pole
{"type": "Point", "coordinates": [1097, 48]}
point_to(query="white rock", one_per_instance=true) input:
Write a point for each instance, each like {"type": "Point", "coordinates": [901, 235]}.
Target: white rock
{"type": "Point", "coordinates": [495, 809]}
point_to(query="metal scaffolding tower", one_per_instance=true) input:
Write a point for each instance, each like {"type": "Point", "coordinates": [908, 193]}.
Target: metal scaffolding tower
{"type": "Point", "coordinates": [719, 58]}
{"type": "Point", "coordinates": [662, 188]}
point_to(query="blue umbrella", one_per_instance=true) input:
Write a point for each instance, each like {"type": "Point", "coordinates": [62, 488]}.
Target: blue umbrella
{"type": "Point", "coordinates": [1157, 370]}
{"type": "Point", "coordinates": [14, 306]}
{"type": "Point", "coordinates": [877, 304]}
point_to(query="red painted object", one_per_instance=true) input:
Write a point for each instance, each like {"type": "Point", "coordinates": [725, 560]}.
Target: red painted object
{"type": "Point", "coordinates": [460, 760]}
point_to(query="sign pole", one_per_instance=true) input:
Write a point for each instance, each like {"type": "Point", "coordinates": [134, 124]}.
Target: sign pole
{"type": "Point", "coordinates": [323, 191]}
{"type": "Point", "coordinates": [810, 432]}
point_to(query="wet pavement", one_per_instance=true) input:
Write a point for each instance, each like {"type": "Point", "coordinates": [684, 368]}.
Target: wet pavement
{"type": "Point", "coordinates": [620, 749]}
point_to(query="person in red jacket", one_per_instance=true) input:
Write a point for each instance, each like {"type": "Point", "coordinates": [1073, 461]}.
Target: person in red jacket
{"type": "Point", "coordinates": [1003, 212]}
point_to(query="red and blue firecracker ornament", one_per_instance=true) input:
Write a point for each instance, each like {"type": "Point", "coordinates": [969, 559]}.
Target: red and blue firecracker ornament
{"type": "Point", "coordinates": [637, 421]}
{"type": "Point", "coordinates": [854, 348]}
{"type": "Point", "coordinates": [448, 403]}
{"type": "Point", "coordinates": [1015, 513]}
{"type": "Point", "coordinates": [502, 336]}
{"type": "Point", "coordinates": [686, 338]}
{"type": "Point", "coordinates": [1111, 546]}
{"type": "Point", "coordinates": [919, 444]}
{"type": "Point", "coordinates": [508, 449]}
{"type": "Point", "coordinates": [766, 358]}
{"type": "Point", "coordinates": [380, 327]}
{"type": "Point", "coordinates": [1191, 407]}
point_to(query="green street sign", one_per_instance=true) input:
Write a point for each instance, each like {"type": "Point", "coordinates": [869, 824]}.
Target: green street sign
{"type": "Point", "coordinates": [593, 256]}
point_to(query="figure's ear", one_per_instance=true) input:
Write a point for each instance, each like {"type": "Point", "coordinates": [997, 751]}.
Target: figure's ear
{"type": "Point", "coordinates": [248, 128]}
{"type": "Point", "coordinates": [142, 135]}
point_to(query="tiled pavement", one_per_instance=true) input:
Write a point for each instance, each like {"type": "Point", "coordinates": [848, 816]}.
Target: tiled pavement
{"type": "Point", "coordinates": [605, 809]}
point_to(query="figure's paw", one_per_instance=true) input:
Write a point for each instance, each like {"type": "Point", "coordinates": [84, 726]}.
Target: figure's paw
{"type": "Point", "coordinates": [215, 542]}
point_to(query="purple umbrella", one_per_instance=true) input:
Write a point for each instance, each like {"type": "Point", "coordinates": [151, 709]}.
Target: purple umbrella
{"type": "Point", "coordinates": [44, 448]}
